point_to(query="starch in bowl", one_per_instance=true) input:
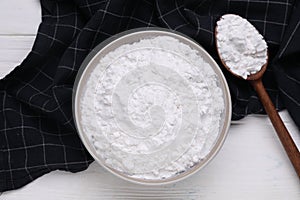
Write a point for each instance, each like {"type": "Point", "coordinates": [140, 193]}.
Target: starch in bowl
{"type": "Point", "coordinates": [151, 106]}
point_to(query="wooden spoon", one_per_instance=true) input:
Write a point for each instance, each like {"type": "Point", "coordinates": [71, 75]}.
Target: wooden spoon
{"type": "Point", "coordinates": [282, 132]}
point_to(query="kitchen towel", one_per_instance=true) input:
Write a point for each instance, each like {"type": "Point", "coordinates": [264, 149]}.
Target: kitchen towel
{"type": "Point", "coordinates": [37, 133]}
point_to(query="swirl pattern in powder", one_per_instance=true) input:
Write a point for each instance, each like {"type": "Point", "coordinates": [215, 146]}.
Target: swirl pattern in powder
{"type": "Point", "coordinates": [152, 109]}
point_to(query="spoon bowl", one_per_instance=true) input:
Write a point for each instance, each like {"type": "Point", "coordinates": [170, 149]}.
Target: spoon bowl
{"type": "Point", "coordinates": [258, 75]}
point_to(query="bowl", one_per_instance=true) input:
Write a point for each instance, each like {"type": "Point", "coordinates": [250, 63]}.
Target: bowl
{"type": "Point", "coordinates": [151, 106]}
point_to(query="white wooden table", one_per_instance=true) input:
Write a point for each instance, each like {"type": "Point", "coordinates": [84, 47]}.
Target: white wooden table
{"type": "Point", "coordinates": [251, 165]}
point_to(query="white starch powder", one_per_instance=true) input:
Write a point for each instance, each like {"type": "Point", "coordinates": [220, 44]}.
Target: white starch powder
{"type": "Point", "coordinates": [240, 46]}
{"type": "Point", "coordinates": [152, 109]}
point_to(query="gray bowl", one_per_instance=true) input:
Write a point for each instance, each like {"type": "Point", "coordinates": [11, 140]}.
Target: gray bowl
{"type": "Point", "coordinates": [129, 37]}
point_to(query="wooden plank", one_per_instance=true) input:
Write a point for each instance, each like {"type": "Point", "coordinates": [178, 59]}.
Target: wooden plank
{"type": "Point", "coordinates": [19, 17]}
{"type": "Point", "coordinates": [251, 165]}
{"type": "Point", "coordinates": [291, 126]}
{"type": "Point", "coordinates": [13, 49]}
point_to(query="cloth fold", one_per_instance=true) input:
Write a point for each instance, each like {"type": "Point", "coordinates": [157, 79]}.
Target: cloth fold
{"type": "Point", "coordinates": [37, 132]}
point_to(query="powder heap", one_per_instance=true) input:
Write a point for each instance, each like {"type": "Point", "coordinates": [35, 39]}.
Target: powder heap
{"type": "Point", "coordinates": [152, 109]}
{"type": "Point", "coordinates": [240, 46]}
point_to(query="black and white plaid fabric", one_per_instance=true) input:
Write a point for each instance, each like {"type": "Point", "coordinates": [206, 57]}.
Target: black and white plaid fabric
{"type": "Point", "coordinates": [37, 134]}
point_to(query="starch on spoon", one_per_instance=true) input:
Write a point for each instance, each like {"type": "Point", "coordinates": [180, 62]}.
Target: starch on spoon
{"type": "Point", "coordinates": [241, 47]}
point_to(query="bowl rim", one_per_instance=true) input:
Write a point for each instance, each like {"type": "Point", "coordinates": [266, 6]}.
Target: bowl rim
{"type": "Point", "coordinates": [122, 36]}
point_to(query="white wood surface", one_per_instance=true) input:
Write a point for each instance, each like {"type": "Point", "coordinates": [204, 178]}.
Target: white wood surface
{"type": "Point", "coordinates": [251, 165]}
{"type": "Point", "coordinates": [19, 17]}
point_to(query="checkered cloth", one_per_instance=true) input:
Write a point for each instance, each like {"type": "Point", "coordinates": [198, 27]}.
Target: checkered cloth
{"type": "Point", "coordinates": [37, 133]}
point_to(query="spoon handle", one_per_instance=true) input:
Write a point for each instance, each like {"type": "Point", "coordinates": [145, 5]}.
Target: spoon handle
{"type": "Point", "coordinates": [283, 134]}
